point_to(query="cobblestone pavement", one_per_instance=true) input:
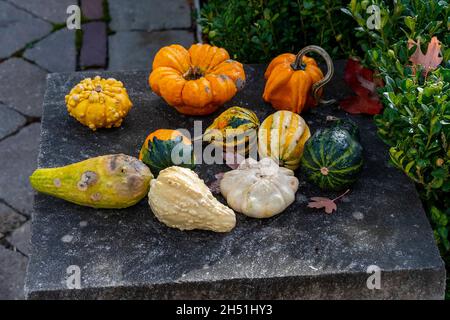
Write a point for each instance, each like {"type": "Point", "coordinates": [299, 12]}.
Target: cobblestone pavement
{"type": "Point", "coordinates": [35, 41]}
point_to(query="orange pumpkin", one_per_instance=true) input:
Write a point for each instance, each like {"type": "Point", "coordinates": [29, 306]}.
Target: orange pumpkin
{"type": "Point", "coordinates": [196, 81]}
{"type": "Point", "coordinates": [295, 83]}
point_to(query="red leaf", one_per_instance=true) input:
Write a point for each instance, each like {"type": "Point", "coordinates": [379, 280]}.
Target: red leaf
{"type": "Point", "coordinates": [325, 203]}
{"type": "Point", "coordinates": [432, 59]}
{"type": "Point", "coordinates": [364, 85]}
{"type": "Point", "coordinates": [359, 104]}
{"type": "Point", "coordinates": [319, 203]}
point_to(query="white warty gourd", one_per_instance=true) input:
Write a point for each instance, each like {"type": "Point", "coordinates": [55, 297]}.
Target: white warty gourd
{"type": "Point", "coordinates": [180, 199]}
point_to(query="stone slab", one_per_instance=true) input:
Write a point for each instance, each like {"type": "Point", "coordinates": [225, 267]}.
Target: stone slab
{"type": "Point", "coordinates": [9, 219]}
{"type": "Point", "coordinates": [18, 28]}
{"type": "Point", "coordinates": [92, 9]}
{"type": "Point", "coordinates": [54, 11]}
{"type": "Point", "coordinates": [19, 154]}
{"type": "Point", "coordinates": [20, 238]}
{"type": "Point", "coordinates": [136, 49]}
{"type": "Point", "coordinates": [22, 86]}
{"type": "Point", "coordinates": [55, 53]}
{"type": "Point", "coordinates": [94, 48]}
{"type": "Point", "coordinates": [300, 253]}
{"type": "Point", "coordinates": [12, 274]}
{"type": "Point", "coordinates": [10, 121]}
{"type": "Point", "coordinates": [149, 15]}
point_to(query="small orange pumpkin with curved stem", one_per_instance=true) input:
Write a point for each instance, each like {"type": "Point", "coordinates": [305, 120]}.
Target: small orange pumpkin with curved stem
{"type": "Point", "coordinates": [196, 81]}
{"type": "Point", "coordinates": [294, 82]}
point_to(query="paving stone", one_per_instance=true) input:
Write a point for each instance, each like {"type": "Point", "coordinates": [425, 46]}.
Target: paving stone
{"type": "Point", "coordinates": [149, 15]}
{"type": "Point", "coordinates": [22, 86]}
{"type": "Point", "coordinates": [12, 274]}
{"type": "Point", "coordinates": [9, 219]}
{"type": "Point", "coordinates": [18, 28]}
{"type": "Point", "coordinates": [301, 253]}
{"type": "Point", "coordinates": [136, 49]}
{"type": "Point", "coordinates": [92, 9]}
{"type": "Point", "coordinates": [20, 238]}
{"type": "Point", "coordinates": [55, 53]}
{"type": "Point", "coordinates": [10, 121]}
{"type": "Point", "coordinates": [19, 154]}
{"type": "Point", "coordinates": [94, 51]}
{"type": "Point", "coordinates": [54, 11]}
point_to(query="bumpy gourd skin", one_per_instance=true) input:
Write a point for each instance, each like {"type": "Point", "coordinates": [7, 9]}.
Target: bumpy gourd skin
{"type": "Point", "coordinates": [289, 89]}
{"type": "Point", "coordinates": [99, 103]}
{"type": "Point", "coordinates": [195, 81]}
{"type": "Point", "coordinates": [180, 199]}
{"type": "Point", "coordinates": [111, 181]}
{"type": "Point", "coordinates": [282, 137]}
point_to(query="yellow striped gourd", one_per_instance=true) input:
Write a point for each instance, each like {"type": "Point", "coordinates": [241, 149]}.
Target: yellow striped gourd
{"type": "Point", "coordinates": [282, 137]}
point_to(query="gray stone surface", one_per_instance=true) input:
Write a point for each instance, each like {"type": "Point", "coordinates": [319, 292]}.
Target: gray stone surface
{"type": "Point", "coordinates": [55, 53]}
{"type": "Point", "coordinates": [92, 9]}
{"type": "Point", "coordinates": [50, 10]}
{"type": "Point", "coordinates": [9, 219]}
{"type": "Point", "coordinates": [20, 238]}
{"type": "Point", "coordinates": [12, 274]}
{"type": "Point", "coordinates": [94, 49]}
{"type": "Point", "coordinates": [18, 28]}
{"type": "Point", "coordinates": [298, 254]}
{"type": "Point", "coordinates": [149, 15]}
{"type": "Point", "coordinates": [19, 154]}
{"type": "Point", "coordinates": [136, 49]}
{"type": "Point", "coordinates": [10, 121]}
{"type": "Point", "coordinates": [22, 86]}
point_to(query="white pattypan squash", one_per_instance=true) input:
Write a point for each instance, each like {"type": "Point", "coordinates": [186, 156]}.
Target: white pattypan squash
{"type": "Point", "coordinates": [259, 189]}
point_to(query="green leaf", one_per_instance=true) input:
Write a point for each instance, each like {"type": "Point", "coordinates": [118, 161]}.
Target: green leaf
{"type": "Point", "coordinates": [346, 11]}
{"type": "Point", "coordinates": [411, 23]}
{"type": "Point", "coordinates": [436, 183]}
{"type": "Point", "coordinates": [409, 166]}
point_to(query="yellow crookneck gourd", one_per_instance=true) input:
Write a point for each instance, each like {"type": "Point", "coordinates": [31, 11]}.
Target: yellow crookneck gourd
{"type": "Point", "coordinates": [111, 181]}
{"type": "Point", "coordinates": [99, 103]}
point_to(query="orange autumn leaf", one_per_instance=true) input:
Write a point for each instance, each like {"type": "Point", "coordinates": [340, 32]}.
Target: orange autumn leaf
{"type": "Point", "coordinates": [432, 59]}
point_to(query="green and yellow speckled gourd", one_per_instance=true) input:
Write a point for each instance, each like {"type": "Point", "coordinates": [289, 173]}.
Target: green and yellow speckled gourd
{"type": "Point", "coordinates": [99, 103]}
{"type": "Point", "coordinates": [111, 181]}
{"type": "Point", "coordinates": [236, 127]}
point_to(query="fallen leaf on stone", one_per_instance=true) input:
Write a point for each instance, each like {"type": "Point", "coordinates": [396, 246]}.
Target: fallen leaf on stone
{"type": "Point", "coordinates": [432, 59]}
{"type": "Point", "coordinates": [319, 203]}
{"type": "Point", "coordinates": [325, 203]}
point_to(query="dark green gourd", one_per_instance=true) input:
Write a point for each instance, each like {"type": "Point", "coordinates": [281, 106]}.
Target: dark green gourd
{"type": "Point", "coordinates": [333, 157]}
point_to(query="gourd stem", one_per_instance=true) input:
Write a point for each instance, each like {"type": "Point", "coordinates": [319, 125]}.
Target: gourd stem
{"type": "Point", "coordinates": [299, 65]}
{"type": "Point", "coordinates": [193, 73]}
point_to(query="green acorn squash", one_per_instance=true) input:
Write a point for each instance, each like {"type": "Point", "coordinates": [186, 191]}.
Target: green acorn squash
{"type": "Point", "coordinates": [156, 152]}
{"type": "Point", "coordinates": [332, 158]}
